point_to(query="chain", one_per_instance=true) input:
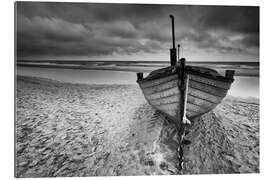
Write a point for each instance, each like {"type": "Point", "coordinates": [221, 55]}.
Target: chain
{"type": "Point", "coordinates": [180, 151]}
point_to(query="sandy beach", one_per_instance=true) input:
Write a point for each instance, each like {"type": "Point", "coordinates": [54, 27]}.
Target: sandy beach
{"type": "Point", "coordinates": [65, 129]}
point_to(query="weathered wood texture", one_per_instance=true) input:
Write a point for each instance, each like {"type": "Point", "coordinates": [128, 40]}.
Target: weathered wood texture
{"type": "Point", "coordinates": [203, 94]}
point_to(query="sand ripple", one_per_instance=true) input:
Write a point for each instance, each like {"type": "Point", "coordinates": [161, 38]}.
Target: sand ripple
{"type": "Point", "coordinates": [99, 130]}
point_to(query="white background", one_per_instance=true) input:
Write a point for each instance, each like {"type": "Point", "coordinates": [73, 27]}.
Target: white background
{"type": "Point", "coordinates": [7, 88]}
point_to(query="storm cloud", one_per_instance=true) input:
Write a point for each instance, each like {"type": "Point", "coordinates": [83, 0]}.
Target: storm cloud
{"type": "Point", "coordinates": [98, 30]}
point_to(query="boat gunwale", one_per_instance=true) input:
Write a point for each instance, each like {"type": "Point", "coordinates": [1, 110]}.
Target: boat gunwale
{"type": "Point", "coordinates": [189, 70]}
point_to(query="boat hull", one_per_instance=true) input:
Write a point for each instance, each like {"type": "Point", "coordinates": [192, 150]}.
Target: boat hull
{"type": "Point", "coordinates": [206, 89]}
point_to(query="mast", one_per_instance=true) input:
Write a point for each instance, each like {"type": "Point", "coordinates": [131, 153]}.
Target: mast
{"type": "Point", "coordinates": [173, 50]}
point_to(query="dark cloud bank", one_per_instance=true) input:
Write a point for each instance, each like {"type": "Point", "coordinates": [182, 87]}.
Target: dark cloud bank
{"type": "Point", "coordinates": [96, 30]}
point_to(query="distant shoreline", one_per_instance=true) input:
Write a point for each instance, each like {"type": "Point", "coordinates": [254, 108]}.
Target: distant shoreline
{"type": "Point", "coordinates": [250, 69]}
{"type": "Point", "coordinates": [31, 78]}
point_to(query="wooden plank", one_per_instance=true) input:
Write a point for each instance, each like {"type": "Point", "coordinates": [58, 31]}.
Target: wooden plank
{"type": "Point", "coordinates": [191, 114]}
{"type": "Point", "coordinates": [220, 84]}
{"type": "Point", "coordinates": [161, 87]}
{"type": "Point", "coordinates": [155, 82]}
{"type": "Point", "coordinates": [171, 106]}
{"type": "Point", "coordinates": [175, 98]}
{"type": "Point", "coordinates": [189, 107]}
{"type": "Point", "coordinates": [208, 88]}
{"type": "Point", "coordinates": [194, 108]}
{"type": "Point", "coordinates": [172, 113]}
{"type": "Point", "coordinates": [199, 102]}
{"type": "Point", "coordinates": [204, 95]}
{"type": "Point", "coordinates": [167, 100]}
{"type": "Point", "coordinates": [163, 94]}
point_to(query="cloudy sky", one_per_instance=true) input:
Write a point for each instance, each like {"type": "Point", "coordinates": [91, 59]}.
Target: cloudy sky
{"type": "Point", "coordinates": [135, 32]}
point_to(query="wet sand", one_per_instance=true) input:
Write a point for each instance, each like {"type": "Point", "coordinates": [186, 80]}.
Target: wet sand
{"type": "Point", "coordinates": [68, 129]}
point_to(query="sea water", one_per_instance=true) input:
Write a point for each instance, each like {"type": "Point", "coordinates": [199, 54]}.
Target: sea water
{"type": "Point", "coordinates": [247, 86]}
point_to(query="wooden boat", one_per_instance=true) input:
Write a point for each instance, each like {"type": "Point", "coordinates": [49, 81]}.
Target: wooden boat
{"type": "Point", "coordinates": [205, 90]}
{"type": "Point", "coordinates": [202, 91]}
